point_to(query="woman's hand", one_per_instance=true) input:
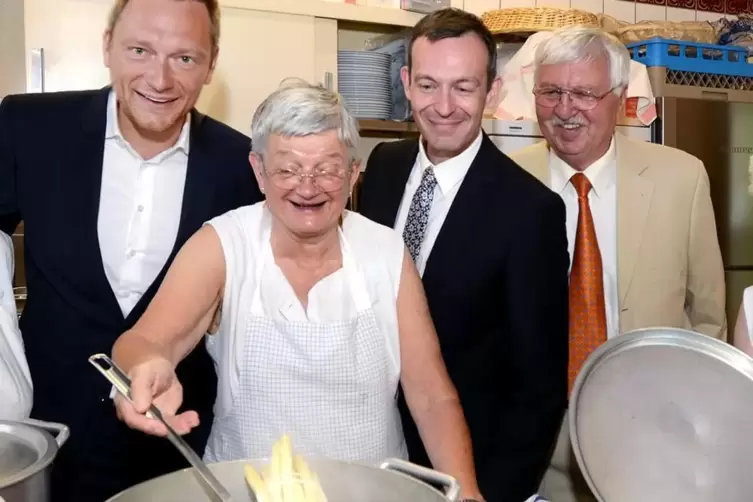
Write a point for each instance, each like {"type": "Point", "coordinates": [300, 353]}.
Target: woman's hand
{"type": "Point", "coordinates": [154, 382]}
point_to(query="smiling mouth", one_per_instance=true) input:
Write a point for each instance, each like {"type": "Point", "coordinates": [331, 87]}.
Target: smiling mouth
{"type": "Point", "coordinates": [157, 101]}
{"type": "Point", "coordinates": [307, 206]}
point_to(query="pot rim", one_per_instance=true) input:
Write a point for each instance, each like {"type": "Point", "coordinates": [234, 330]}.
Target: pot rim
{"type": "Point", "coordinates": [37, 433]}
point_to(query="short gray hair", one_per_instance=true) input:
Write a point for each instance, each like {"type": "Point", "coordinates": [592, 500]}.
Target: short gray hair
{"type": "Point", "coordinates": [576, 44]}
{"type": "Point", "coordinates": [299, 109]}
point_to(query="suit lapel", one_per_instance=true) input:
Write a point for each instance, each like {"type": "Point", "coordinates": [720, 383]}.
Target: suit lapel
{"type": "Point", "coordinates": [634, 194]}
{"type": "Point", "coordinates": [87, 154]}
{"type": "Point", "coordinates": [198, 194]}
{"type": "Point", "coordinates": [468, 201]}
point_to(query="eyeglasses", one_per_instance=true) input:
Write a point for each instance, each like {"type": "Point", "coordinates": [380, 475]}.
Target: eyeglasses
{"type": "Point", "coordinates": [550, 97]}
{"type": "Point", "coordinates": [325, 180]}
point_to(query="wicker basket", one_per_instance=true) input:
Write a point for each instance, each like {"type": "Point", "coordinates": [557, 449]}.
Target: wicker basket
{"type": "Point", "coordinates": [535, 19]}
{"type": "Point", "coordinates": [690, 31]}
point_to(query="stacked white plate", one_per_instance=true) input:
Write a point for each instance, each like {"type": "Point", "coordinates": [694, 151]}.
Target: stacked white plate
{"type": "Point", "coordinates": [364, 81]}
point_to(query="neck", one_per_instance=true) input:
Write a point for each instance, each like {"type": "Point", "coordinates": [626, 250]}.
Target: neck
{"type": "Point", "coordinates": [148, 144]}
{"type": "Point", "coordinates": [437, 156]}
{"type": "Point", "coordinates": [304, 249]}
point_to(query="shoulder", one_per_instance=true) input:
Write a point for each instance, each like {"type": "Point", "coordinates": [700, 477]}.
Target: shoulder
{"type": "Point", "coordinates": [239, 225]}
{"type": "Point", "coordinates": [222, 139]}
{"type": "Point", "coordinates": [514, 182]}
{"type": "Point", "coordinates": [36, 105]}
{"type": "Point", "coordinates": [530, 154]}
{"type": "Point", "coordinates": [372, 242]}
{"type": "Point", "coordinates": [393, 150]}
{"type": "Point", "coordinates": [667, 166]}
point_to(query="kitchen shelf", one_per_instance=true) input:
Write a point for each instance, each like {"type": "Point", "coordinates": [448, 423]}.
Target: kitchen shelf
{"type": "Point", "coordinates": [366, 126]}
{"type": "Point", "coordinates": [330, 10]}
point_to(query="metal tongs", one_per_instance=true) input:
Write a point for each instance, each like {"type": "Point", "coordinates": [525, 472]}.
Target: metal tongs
{"type": "Point", "coordinates": [122, 383]}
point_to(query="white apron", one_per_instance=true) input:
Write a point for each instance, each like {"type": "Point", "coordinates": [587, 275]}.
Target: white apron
{"type": "Point", "coordinates": [327, 385]}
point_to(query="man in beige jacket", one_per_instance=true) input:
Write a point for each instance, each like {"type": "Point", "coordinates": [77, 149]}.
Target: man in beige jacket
{"type": "Point", "coordinates": [639, 216]}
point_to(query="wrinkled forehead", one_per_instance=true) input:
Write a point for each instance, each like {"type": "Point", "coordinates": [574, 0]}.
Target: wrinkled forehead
{"type": "Point", "coordinates": [591, 73]}
{"type": "Point", "coordinates": [167, 24]}
{"type": "Point", "coordinates": [308, 149]}
{"type": "Point", "coordinates": [450, 59]}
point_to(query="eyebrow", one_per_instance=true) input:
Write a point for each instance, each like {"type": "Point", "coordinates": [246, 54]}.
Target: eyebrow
{"type": "Point", "coordinates": [464, 80]}
{"type": "Point", "coordinates": [138, 42]}
{"type": "Point", "coordinates": [289, 153]}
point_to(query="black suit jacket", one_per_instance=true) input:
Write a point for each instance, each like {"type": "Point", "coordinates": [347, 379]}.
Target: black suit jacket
{"type": "Point", "coordinates": [497, 285]}
{"type": "Point", "coordinates": [51, 151]}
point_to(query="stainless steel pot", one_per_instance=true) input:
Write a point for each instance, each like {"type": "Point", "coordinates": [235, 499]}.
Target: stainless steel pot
{"type": "Point", "coordinates": [393, 481]}
{"type": "Point", "coordinates": [27, 451]}
{"type": "Point", "coordinates": [664, 414]}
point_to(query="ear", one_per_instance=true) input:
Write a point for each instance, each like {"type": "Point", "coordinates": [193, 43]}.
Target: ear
{"type": "Point", "coordinates": [355, 173]}
{"type": "Point", "coordinates": [623, 94]}
{"type": "Point", "coordinates": [405, 78]}
{"type": "Point", "coordinates": [256, 164]}
{"type": "Point", "coordinates": [106, 41]}
{"type": "Point", "coordinates": [492, 97]}
{"type": "Point", "coordinates": [212, 65]}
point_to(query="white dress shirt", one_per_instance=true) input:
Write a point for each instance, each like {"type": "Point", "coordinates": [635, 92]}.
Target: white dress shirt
{"type": "Point", "coordinates": [139, 210]}
{"type": "Point", "coordinates": [15, 379]}
{"type": "Point", "coordinates": [449, 175]}
{"type": "Point", "coordinates": [603, 201]}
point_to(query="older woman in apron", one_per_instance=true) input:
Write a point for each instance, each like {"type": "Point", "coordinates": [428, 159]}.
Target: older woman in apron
{"type": "Point", "coordinates": [315, 313]}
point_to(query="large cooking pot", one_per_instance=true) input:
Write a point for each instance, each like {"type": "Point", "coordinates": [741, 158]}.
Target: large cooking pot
{"type": "Point", "coordinates": [27, 451]}
{"type": "Point", "coordinates": [393, 481]}
{"type": "Point", "coordinates": [664, 414]}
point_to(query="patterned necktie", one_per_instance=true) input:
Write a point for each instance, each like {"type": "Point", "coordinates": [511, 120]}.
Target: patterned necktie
{"type": "Point", "coordinates": [418, 214]}
{"type": "Point", "coordinates": [588, 319]}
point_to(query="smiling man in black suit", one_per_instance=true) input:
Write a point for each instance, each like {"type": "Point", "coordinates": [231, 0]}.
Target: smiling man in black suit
{"type": "Point", "coordinates": [110, 184]}
{"type": "Point", "coordinates": [490, 243]}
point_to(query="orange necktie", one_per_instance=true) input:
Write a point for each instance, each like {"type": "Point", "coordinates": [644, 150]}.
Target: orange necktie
{"type": "Point", "coordinates": [588, 319]}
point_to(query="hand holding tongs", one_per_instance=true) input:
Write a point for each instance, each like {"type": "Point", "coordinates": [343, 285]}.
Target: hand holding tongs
{"type": "Point", "coordinates": [122, 383]}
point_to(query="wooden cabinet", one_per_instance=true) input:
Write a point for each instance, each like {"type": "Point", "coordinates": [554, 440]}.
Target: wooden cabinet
{"type": "Point", "coordinates": [258, 50]}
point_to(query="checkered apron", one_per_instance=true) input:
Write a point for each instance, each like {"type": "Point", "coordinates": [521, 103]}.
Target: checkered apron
{"type": "Point", "coordinates": [327, 385]}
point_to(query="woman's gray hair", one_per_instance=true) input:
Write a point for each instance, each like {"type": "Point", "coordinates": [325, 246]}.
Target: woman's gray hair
{"type": "Point", "coordinates": [299, 109]}
{"type": "Point", "coordinates": [576, 44]}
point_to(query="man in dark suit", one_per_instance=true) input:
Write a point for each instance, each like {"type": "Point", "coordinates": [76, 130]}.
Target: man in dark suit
{"type": "Point", "coordinates": [110, 184]}
{"type": "Point", "coordinates": [490, 243]}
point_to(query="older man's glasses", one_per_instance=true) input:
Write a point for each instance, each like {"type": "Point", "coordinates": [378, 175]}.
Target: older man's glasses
{"type": "Point", "coordinates": [549, 97]}
{"type": "Point", "coordinates": [327, 180]}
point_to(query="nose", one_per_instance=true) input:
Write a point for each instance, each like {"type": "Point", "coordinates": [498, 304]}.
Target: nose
{"type": "Point", "coordinates": [306, 187]}
{"type": "Point", "coordinates": [160, 75]}
{"type": "Point", "coordinates": [565, 108]}
{"type": "Point", "coordinates": [444, 104]}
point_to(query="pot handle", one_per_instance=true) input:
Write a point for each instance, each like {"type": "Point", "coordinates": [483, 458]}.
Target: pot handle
{"type": "Point", "coordinates": [450, 484]}
{"type": "Point", "coordinates": [59, 431]}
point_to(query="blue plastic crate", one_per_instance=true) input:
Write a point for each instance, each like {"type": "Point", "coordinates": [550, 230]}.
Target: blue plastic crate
{"type": "Point", "coordinates": [692, 56]}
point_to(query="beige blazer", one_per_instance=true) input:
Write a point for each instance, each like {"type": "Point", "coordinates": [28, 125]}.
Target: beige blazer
{"type": "Point", "coordinates": [669, 264]}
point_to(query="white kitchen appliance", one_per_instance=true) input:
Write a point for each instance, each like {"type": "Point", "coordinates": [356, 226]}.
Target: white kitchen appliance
{"type": "Point", "coordinates": [512, 135]}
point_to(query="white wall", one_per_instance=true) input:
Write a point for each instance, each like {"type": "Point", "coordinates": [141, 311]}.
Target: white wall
{"type": "Point", "coordinates": [12, 60]}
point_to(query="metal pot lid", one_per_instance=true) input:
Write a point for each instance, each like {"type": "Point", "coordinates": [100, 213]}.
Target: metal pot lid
{"type": "Point", "coordinates": [664, 415]}
{"type": "Point", "coordinates": [24, 451]}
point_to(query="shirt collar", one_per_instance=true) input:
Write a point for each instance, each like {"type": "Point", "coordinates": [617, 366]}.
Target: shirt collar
{"type": "Point", "coordinates": [451, 171]}
{"type": "Point", "coordinates": [112, 129]}
{"type": "Point", "coordinates": [601, 173]}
